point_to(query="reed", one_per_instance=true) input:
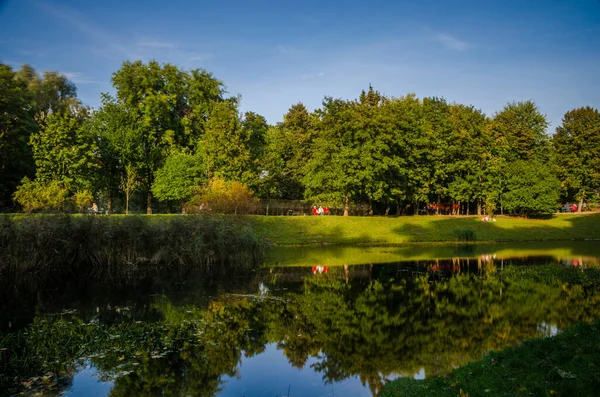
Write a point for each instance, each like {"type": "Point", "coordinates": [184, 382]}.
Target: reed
{"type": "Point", "coordinates": [121, 245]}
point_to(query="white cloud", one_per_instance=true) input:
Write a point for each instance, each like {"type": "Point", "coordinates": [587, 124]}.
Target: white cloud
{"type": "Point", "coordinates": [79, 78]}
{"type": "Point", "coordinates": [451, 43]}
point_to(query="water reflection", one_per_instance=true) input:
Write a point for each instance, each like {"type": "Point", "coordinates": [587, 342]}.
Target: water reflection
{"type": "Point", "coordinates": [299, 330]}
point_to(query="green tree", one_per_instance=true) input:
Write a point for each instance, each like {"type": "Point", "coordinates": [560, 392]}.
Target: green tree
{"type": "Point", "coordinates": [402, 117]}
{"type": "Point", "coordinates": [577, 153]}
{"type": "Point", "coordinates": [180, 177]}
{"type": "Point", "coordinates": [51, 93]}
{"type": "Point", "coordinates": [167, 107]}
{"type": "Point", "coordinates": [531, 188]}
{"type": "Point", "coordinates": [64, 151]}
{"type": "Point", "coordinates": [521, 132]}
{"type": "Point", "coordinates": [16, 126]}
{"type": "Point", "coordinates": [468, 155]}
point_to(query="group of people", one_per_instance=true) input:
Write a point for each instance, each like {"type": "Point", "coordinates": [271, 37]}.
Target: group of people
{"type": "Point", "coordinates": [320, 210]}
{"type": "Point", "coordinates": [488, 219]}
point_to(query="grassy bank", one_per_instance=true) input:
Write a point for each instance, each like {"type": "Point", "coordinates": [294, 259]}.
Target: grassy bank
{"type": "Point", "coordinates": [340, 255]}
{"type": "Point", "coordinates": [565, 365]}
{"type": "Point", "coordinates": [122, 244]}
{"type": "Point", "coordinates": [301, 230]}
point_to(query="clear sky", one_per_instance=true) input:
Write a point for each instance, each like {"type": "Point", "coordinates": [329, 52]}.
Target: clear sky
{"type": "Point", "coordinates": [277, 53]}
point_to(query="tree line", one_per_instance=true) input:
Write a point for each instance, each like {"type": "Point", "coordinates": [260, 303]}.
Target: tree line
{"type": "Point", "coordinates": [172, 139]}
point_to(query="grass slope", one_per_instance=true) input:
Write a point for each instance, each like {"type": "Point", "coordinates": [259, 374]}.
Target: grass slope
{"type": "Point", "coordinates": [565, 365]}
{"type": "Point", "coordinates": [301, 230]}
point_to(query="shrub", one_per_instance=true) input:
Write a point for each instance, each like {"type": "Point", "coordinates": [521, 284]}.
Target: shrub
{"type": "Point", "coordinates": [224, 197]}
{"type": "Point", "coordinates": [82, 200]}
{"type": "Point", "coordinates": [35, 196]}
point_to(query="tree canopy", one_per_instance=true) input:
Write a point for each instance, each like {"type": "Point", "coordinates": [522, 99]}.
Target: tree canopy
{"type": "Point", "coordinates": [166, 132]}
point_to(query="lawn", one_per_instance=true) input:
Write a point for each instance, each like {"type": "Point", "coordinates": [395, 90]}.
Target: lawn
{"type": "Point", "coordinates": [301, 230]}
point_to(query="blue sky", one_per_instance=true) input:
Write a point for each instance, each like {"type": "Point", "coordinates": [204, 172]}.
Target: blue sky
{"type": "Point", "coordinates": [277, 53]}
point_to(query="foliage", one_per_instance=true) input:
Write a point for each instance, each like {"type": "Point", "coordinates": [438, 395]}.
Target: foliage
{"type": "Point", "coordinates": [520, 132]}
{"type": "Point", "coordinates": [37, 196]}
{"type": "Point", "coordinates": [419, 155]}
{"type": "Point", "coordinates": [577, 153]}
{"type": "Point", "coordinates": [180, 177]}
{"type": "Point", "coordinates": [82, 200]}
{"type": "Point", "coordinates": [16, 125]}
{"type": "Point", "coordinates": [531, 188]}
{"type": "Point", "coordinates": [224, 197]}
{"type": "Point", "coordinates": [64, 151]}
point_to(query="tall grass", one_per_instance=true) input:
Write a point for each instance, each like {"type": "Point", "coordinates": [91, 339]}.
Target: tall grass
{"type": "Point", "coordinates": [120, 245]}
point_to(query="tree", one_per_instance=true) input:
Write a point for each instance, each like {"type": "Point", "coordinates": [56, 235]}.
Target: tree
{"type": "Point", "coordinates": [468, 156]}
{"type": "Point", "coordinates": [51, 93]}
{"type": "Point", "coordinates": [64, 151]}
{"type": "Point", "coordinates": [180, 177]}
{"type": "Point", "coordinates": [168, 107]}
{"type": "Point", "coordinates": [577, 153]}
{"type": "Point", "coordinates": [402, 117]}
{"type": "Point", "coordinates": [521, 132]}
{"type": "Point", "coordinates": [16, 126]}
{"type": "Point", "coordinates": [531, 187]}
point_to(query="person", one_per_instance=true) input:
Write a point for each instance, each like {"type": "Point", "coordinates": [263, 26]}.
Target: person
{"type": "Point", "coordinates": [94, 208]}
{"type": "Point", "coordinates": [320, 210]}
{"type": "Point", "coordinates": [314, 210]}
{"type": "Point", "coordinates": [326, 211]}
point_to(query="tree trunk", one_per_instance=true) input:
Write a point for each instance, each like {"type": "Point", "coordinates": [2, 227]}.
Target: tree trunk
{"type": "Point", "coordinates": [467, 208]}
{"type": "Point", "coordinates": [459, 207]}
{"type": "Point", "coordinates": [109, 205]}
{"type": "Point", "coordinates": [387, 210]}
{"type": "Point", "coordinates": [370, 207]}
{"type": "Point", "coordinates": [126, 202]}
{"type": "Point", "coordinates": [397, 207]}
{"type": "Point", "coordinates": [580, 207]}
{"type": "Point", "coordinates": [437, 207]}
{"type": "Point", "coordinates": [347, 205]}
{"type": "Point", "coordinates": [149, 203]}
{"type": "Point", "coordinates": [478, 206]}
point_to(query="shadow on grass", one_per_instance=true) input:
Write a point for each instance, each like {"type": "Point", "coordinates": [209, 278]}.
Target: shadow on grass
{"type": "Point", "coordinates": [584, 227]}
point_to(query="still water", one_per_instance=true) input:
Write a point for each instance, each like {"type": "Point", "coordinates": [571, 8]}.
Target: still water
{"type": "Point", "coordinates": [310, 322]}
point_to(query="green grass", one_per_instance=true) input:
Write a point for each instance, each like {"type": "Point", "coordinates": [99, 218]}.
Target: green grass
{"type": "Point", "coordinates": [303, 230]}
{"type": "Point", "coordinates": [339, 255]}
{"type": "Point", "coordinates": [565, 365]}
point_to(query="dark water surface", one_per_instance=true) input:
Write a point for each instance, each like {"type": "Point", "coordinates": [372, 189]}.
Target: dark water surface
{"type": "Point", "coordinates": [312, 322]}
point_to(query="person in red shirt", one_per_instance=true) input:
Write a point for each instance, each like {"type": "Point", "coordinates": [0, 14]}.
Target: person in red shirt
{"type": "Point", "coordinates": [314, 210]}
{"type": "Point", "coordinates": [326, 211]}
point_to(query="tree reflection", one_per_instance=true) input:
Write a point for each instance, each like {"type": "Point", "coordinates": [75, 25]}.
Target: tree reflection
{"type": "Point", "coordinates": [371, 322]}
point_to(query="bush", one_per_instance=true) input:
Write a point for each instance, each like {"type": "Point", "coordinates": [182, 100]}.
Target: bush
{"type": "Point", "coordinates": [224, 197]}
{"type": "Point", "coordinates": [35, 196]}
{"type": "Point", "coordinates": [82, 200]}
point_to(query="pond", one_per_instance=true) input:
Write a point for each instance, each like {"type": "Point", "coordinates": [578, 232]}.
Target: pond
{"type": "Point", "coordinates": [321, 321]}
